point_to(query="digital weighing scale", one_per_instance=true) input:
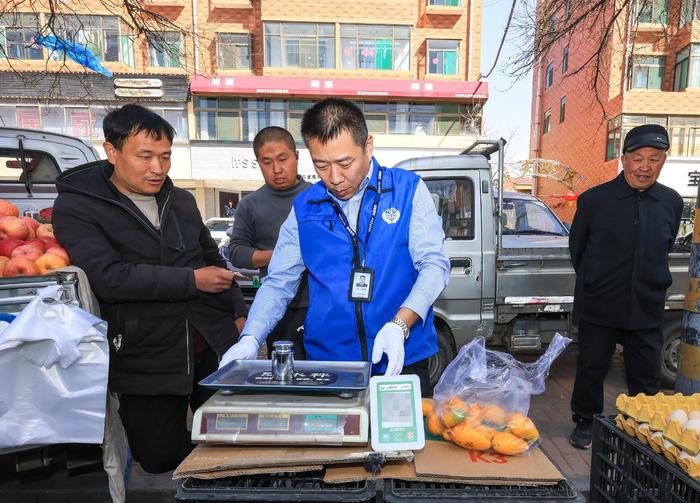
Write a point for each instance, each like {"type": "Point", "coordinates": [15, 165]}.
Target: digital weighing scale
{"type": "Point", "coordinates": [324, 403]}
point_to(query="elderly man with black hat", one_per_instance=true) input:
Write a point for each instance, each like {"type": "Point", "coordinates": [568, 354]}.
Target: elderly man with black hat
{"type": "Point", "coordinates": [620, 238]}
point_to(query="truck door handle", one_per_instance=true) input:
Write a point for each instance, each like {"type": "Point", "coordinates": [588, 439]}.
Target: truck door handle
{"type": "Point", "coordinates": [511, 265]}
{"type": "Point", "coordinates": [466, 263]}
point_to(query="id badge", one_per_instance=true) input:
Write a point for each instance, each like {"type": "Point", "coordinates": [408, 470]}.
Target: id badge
{"type": "Point", "coordinates": [361, 281]}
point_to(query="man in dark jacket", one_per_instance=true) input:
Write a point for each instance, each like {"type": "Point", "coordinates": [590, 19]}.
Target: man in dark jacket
{"type": "Point", "coordinates": [258, 220]}
{"type": "Point", "coordinates": [620, 238]}
{"type": "Point", "coordinates": [171, 304]}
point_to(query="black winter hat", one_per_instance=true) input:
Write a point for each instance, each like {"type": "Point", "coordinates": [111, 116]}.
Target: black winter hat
{"type": "Point", "coordinates": [648, 135]}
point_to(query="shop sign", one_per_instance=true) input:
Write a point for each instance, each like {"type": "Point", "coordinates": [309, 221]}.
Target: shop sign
{"type": "Point", "coordinates": [126, 92]}
{"type": "Point", "coordinates": [138, 83]}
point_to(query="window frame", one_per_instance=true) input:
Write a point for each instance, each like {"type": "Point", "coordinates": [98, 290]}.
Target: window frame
{"type": "Point", "coordinates": [653, 16]}
{"type": "Point", "coordinates": [444, 3]}
{"type": "Point", "coordinates": [356, 42]}
{"type": "Point", "coordinates": [547, 121]}
{"type": "Point", "coordinates": [281, 34]}
{"type": "Point", "coordinates": [81, 26]}
{"type": "Point", "coordinates": [647, 69]}
{"type": "Point", "coordinates": [471, 229]}
{"type": "Point", "coordinates": [689, 12]}
{"type": "Point", "coordinates": [565, 60]}
{"type": "Point", "coordinates": [25, 31]}
{"type": "Point", "coordinates": [549, 76]}
{"type": "Point", "coordinates": [562, 109]}
{"type": "Point", "coordinates": [442, 51]}
{"type": "Point", "coordinates": [166, 52]}
{"type": "Point", "coordinates": [613, 138]}
{"type": "Point", "coordinates": [678, 65]}
{"type": "Point", "coordinates": [235, 45]}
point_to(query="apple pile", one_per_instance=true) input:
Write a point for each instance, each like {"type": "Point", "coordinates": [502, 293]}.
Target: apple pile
{"type": "Point", "coordinates": [27, 247]}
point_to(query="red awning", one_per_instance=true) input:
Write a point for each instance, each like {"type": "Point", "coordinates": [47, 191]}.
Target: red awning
{"type": "Point", "coordinates": [347, 88]}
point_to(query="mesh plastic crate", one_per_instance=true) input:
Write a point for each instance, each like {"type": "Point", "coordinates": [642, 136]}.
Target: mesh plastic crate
{"type": "Point", "coordinates": [624, 470]}
{"type": "Point", "coordinates": [399, 491]}
{"type": "Point", "coordinates": [277, 487]}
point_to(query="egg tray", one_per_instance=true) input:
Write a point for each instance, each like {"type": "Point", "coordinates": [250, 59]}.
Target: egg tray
{"type": "Point", "coordinates": [658, 443]}
{"type": "Point", "coordinates": [654, 409]}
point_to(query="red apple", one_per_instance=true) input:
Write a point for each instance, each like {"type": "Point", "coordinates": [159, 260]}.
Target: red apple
{"type": "Point", "coordinates": [31, 223]}
{"type": "Point", "coordinates": [59, 252]}
{"type": "Point", "coordinates": [37, 243]}
{"type": "Point", "coordinates": [46, 214]}
{"type": "Point", "coordinates": [27, 251]}
{"type": "Point", "coordinates": [8, 209]}
{"type": "Point", "coordinates": [3, 261]}
{"type": "Point", "coordinates": [49, 262]}
{"type": "Point", "coordinates": [13, 227]}
{"type": "Point", "coordinates": [44, 230]}
{"type": "Point", "coordinates": [7, 245]}
{"type": "Point", "coordinates": [49, 241]}
{"type": "Point", "coordinates": [20, 266]}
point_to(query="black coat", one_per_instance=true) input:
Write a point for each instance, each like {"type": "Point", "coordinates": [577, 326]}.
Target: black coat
{"type": "Point", "coordinates": [619, 242]}
{"type": "Point", "coordinates": [144, 278]}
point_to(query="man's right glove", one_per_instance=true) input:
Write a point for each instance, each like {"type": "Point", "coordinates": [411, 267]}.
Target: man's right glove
{"type": "Point", "coordinates": [246, 348]}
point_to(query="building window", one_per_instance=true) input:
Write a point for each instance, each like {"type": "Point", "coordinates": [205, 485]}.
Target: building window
{"type": "Point", "coordinates": [28, 118]}
{"type": "Point", "coordinates": [549, 80]}
{"type": "Point", "coordinates": [567, 10]}
{"type": "Point", "coordinates": [565, 60]}
{"type": "Point", "coordinates": [647, 72]}
{"type": "Point", "coordinates": [690, 11]}
{"type": "Point", "coordinates": [443, 57]}
{"type": "Point", "coordinates": [687, 70]}
{"type": "Point", "coordinates": [233, 51]}
{"type": "Point", "coordinates": [165, 49]}
{"type": "Point", "coordinates": [652, 11]}
{"type": "Point", "coordinates": [104, 36]}
{"type": "Point", "coordinates": [562, 109]}
{"type": "Point", "coordinates": [551, 35]}
{"type": "Point", "coordinates": [16, 33]}
{"type": "Point", "coordinates": [446, 3]}
{"type": "Point", "coordinates": [375, 47]}
{"type": "Point", "coordinates": [684, 133]}
{"type": "Point", "coordinates": [612, 147]}
{"type": "Point", "coordinates": [300, 45]}
{"type": "Point", "coordinates": [547, 122]}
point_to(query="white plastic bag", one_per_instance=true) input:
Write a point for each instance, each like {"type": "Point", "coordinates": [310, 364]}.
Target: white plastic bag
{"type": "Point", "coordinates": [54, 362]}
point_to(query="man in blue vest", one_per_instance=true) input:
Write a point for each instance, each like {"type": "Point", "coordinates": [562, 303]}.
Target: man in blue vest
{"type": "Point", "coordinates": [360, 221]}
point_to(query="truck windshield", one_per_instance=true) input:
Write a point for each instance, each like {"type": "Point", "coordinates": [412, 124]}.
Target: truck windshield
{"type": "Point", "coordinates": [529, 216]}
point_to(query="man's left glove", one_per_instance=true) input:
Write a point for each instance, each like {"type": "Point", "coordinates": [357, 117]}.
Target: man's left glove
{"type": "Point", "coordinates": [245, 349]}
{"type": "Point", "coordinates": [389, 340]}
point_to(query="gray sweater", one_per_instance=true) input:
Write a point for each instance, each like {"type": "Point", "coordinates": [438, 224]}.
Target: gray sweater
{"type": "Point", "coordinates": [257, 223]}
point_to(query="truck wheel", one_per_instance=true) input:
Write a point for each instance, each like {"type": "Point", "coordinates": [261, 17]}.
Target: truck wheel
{"type": "Point", "coordinates": [446, 353]}
{"type": "Point", "coordinates": [669, 353]}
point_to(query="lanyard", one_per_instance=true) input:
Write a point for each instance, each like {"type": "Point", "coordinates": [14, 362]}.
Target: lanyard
{"type": "Point", "coordinates": [375, 206]}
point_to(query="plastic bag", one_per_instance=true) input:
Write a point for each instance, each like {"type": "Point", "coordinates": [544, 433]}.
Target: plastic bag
{"type": "Point", "coordinates": [483, 397]}
{"type": "Point", "coordinates": [54, 362]}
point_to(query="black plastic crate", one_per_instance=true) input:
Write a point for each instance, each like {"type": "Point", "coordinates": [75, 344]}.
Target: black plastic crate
{"type": "Point", "coordinates": [400, 491]}
{"type": "Point", "coordinates": [625, 470]}
{"type": "Point", "coordinates": [277, 487]}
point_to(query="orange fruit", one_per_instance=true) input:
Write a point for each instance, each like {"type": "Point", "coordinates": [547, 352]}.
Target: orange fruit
{"type": "Point", "coordinates": [523, 427]}
{"type": "Point", "coordinates": [485, 430]}
{"type": "Point", "coordinates": [434, 424]}
{"type": "Point", "coordinates": [454, 412]}
{"type": "Point", "coordinates": [470, 438]}
{"type": "Point", "coordinates": [493, 414]}
{"type": "Point", "coordinates": [428, 405]}
{"type": "Point", "coordinates": [508, 444]}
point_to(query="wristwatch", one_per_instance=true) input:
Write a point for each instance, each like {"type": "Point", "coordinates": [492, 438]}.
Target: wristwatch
{"type": "Point", "coordinates": [402, 325]}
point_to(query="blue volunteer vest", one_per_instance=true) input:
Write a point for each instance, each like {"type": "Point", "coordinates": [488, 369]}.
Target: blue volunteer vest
{"type": "Point", "coordinates": [337, 328]}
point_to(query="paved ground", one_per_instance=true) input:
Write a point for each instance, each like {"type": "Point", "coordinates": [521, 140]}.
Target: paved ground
{"type": "Point", "coordinates": [552, 415]}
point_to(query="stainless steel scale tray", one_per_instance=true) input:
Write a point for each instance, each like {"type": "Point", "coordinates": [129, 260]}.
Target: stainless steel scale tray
{"type": "Point", "coordinates": [309, 377]}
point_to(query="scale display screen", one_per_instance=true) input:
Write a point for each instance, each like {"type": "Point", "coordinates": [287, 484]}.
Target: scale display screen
{"type": "Point", "coordinates": [278, 422]}
{"type": "Point", "coordinates": [231, 421]}
{"type": "Point", "coordinates": [397, 407]}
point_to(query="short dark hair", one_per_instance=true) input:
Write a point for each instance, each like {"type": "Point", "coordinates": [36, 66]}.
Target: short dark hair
{"type": "Point", "coordinates": [132, 119]}
{"type": "Point", "coordinates": [328, 118]}
{"type": "Point", "coordinates": [273, 133]}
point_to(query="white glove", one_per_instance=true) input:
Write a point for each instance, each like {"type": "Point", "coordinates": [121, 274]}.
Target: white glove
{"type": "Point", "coordinates": [246, 348]}
{"type": "Point", "coordinates": [389, 340]}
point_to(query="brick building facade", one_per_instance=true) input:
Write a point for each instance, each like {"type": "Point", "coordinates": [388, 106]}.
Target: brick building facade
{"type": "Point", "coordinates": [650, 74]}
{"type": "Point", "coordinates": [412, 67]}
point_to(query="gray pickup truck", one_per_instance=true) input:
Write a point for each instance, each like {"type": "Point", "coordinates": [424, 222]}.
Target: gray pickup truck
{"type": "Point", "coordinates": [511, 278]}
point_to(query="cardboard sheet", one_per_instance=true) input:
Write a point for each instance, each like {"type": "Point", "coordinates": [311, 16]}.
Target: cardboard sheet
{"type": "Point", "coordinates": [447, 463]}
{"type": "Point", "coordinates": [250, 471]}
{"type": "Point", "coordinates": [208, 458]}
